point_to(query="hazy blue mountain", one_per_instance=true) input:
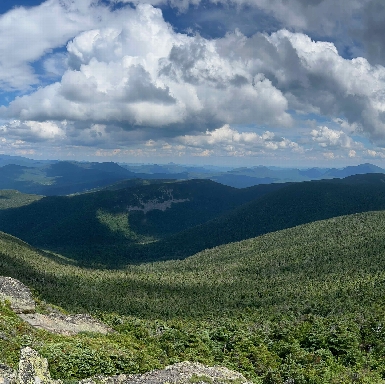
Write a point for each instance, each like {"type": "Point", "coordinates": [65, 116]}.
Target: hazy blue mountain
{"type": "Point", "coordinates": [245, 177]}
{"type": "Point", "coordinates": [61, 178]}
{"type": "Point", "coordinates": [352, 170]}
{"type": "Point", "coordinates": [19, 160]}
{"type": "Point", "coordinates": [314, 173]}
{"type": "Point", "coordinates": [67, 177]}
{"type": "Point", "coordinates": [242, 181]}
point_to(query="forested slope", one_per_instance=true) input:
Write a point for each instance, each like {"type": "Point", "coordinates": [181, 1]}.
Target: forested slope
{"type": "Point", "coordinates": [302, 304]}
{"type": "Point", "coordinates": [295, 204]}
{"type": "Point", "coordinates": [101, 224]}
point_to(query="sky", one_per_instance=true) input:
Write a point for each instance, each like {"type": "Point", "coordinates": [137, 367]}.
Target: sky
{"type": "Point", "coordinates": [220, 82]}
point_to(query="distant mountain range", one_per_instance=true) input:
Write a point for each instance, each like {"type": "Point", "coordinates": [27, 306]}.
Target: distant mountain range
{"type": "Point", "coordinates": [247, 177]}
{"type": "Point", "coordinates": [52, 177]}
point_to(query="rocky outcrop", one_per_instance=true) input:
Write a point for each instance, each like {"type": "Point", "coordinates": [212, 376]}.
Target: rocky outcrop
{"type": "Point", "coordinates": [7, 374]}
{"type": "Point", "coordinates": [33, 369]}
{"type": "Point", "coordinates": [65, 324]}
{"type": "Point", "coordinates": [161, 203]}
{"type": "Point", "coordinates": [23, 304]}
{"type": "Point", "coordinates": [180, 373]}
{"type": "Point", "coordinates": [17, 294]}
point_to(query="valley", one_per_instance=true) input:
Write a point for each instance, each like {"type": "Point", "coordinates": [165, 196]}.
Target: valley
{"type": "Point", "coordinates": [303, 303]}
{"type": "Point", "coordinates": [163, 220]}
{"type": "Point", "coordinates": [279, 282]}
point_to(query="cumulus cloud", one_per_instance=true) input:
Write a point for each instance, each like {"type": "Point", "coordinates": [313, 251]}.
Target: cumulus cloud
{"type": "Point", "coordinates": [333, 139]}
{"type": "Point", "coordinates": [352, 153]}
{"type": "Point", "coordinates": [374, 154]}
{"type": "Point", "coordinates": [235, 142]}
{"type": "Point", "coordinates": [313, 77]}
{"type": "Point", "coordinates": [145, 74]}
{"type": "Point", "coordinates": [127, 77]}
{"type": "Point", "coordinates": [33, 130]}
{"type": "Point", "coordinates": [26, 34]}
{"type": "Point", "coordinates": [355, 25]}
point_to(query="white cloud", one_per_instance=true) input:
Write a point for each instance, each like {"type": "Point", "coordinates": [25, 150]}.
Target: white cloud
{"type": "Point", "coordinates": [33, 130]}
{"type": "Point", "coordinates": [374, 154]}
{"type": "Point", "coordinates": [144, 74]}
{"type": "Point", "coordinates": [329, 155]}
{"type": "Point", "coordinates": [232, 141]}
{"type": "Point", "coordinates": [345, 126]}
{"type": "Point", "coordinates": [26, 34]}
{"type": "Point", "coordinates": [352, 153]}
{"type": "Point", "coordinates": [313, 76]}
{"type": "Point", "coordinates": [127, 78]}
{"type": "Point", "coordinates": [329, 138]}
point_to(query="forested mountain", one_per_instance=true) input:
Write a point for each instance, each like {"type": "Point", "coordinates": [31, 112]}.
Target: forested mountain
{"type": "Point", "coordinates": [12, 199]}
{"type": "Point", "coordinates": [295, 204]}
{"type": "Point", "coordinates": [168, 220]}
{"type": "Point", "coordinates": [302, 304]}
{"type": "Point", "coordinates": [120, 219]}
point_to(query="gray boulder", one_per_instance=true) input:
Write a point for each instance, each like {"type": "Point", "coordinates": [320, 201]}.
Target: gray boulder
{"type": "Point", "coordinates": [7, 375]}
{"type": "Point", "coordinates": [33, 369]}
{"type": "Point", "coordinates": [180, 373]}
{"type": "Point", "coordinates": [18, 294]}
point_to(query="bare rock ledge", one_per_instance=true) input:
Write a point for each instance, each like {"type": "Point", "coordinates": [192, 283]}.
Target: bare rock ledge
{"type": "Point", "coordinates": [17, 294]}
{"type": "Point", "coordinates": [23, 305]}
{"type": "Point", "coordinates": [33, 369]}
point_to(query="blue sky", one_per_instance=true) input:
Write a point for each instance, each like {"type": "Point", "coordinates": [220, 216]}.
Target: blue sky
{"type": "Point", "coordinates": [240, 82]}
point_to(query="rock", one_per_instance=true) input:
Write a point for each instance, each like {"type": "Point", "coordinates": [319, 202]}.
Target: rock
{"type": "Point", "coordinates": [18, 294]}
{"type": "Point", "coordinates": [180, 373]}
{"type": "Point", "coordinates": [23, 304]}
{"type": "Point", "coordinates": [33, 369]}
{"type": "Point", "coordinates": [65, 324]}
{"type": "Point", "coordinates": [7, 375]}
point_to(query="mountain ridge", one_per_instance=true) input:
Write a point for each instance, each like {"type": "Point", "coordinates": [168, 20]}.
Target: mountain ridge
{"type": "Point", "coordinates": [54, 177]}
{"type": "Point", "coordinates": [175, 219]}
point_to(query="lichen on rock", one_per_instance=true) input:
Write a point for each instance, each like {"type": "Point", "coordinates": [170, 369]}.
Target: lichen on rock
{"type": "Point", "coordinates": [180, 373]}
{"type": "Point", "coordinates": [65, 324]}
{"type": "Point", "coordinates": [23, 305]}
{"type": "Point", "coordinates": [7, 375]}
{"type": "Point", "coordinates": [17, 294]}
{"type": "Point", "coordinates": [33, 369]}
